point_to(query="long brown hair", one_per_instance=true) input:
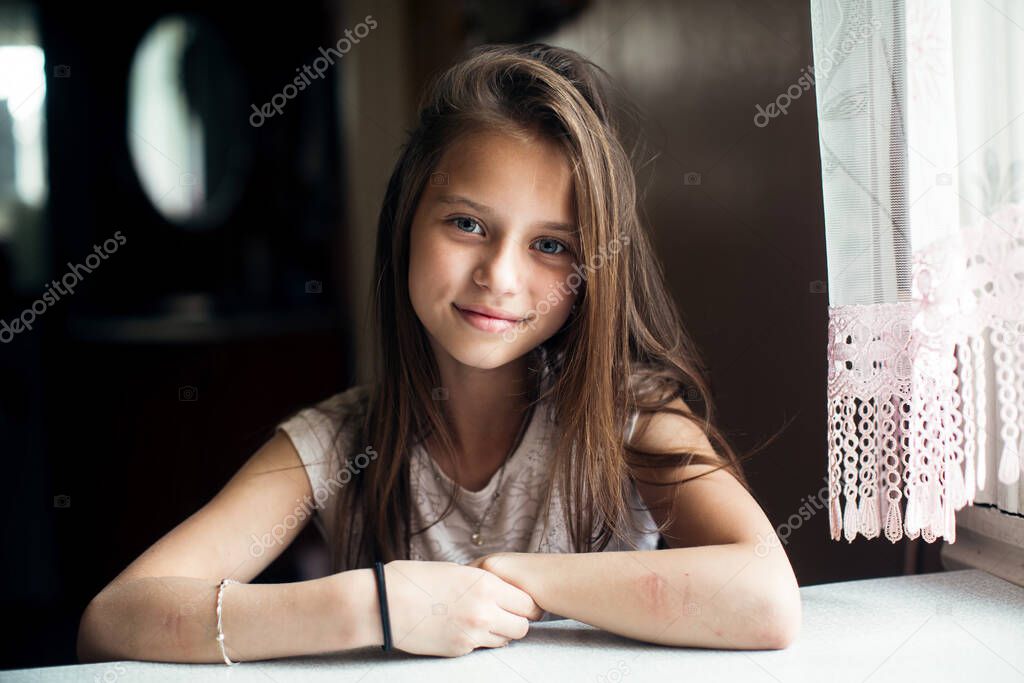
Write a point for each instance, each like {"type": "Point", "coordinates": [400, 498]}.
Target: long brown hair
{"type": "Point", "coordinates": [624, 350]}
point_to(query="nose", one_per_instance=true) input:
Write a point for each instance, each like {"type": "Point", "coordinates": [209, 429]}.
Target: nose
{"type": "Point", "coordinates": [499, 269]}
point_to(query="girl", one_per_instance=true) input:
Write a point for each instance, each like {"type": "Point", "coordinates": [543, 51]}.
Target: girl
{"type": "Point", "coordinates": [526, 444]}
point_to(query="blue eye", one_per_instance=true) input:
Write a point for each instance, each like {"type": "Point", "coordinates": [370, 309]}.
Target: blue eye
{"type": "Point", "coordinates": [471, 221]}
{"type": "Point", "coordinates": [553, 243]}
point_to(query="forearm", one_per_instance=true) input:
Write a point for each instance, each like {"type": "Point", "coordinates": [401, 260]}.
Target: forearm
{"type": "Point", "coordinates": [174, 619]}
{"type": "Point", "coordinates": [721, 596]}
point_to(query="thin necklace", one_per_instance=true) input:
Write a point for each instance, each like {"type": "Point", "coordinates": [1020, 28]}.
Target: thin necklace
{"type": "Point", "coordinates": [477, 537]}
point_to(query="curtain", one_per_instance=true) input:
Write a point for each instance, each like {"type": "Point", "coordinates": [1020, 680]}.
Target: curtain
{"type": "Point", "coordinates": [921, 130]}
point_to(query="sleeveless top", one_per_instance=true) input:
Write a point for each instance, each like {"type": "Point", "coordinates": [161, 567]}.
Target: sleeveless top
{"type": "Point", "coordinates": [527, 516]}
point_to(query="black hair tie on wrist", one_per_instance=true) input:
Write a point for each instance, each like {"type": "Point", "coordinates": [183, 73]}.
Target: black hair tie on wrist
{"type": "Point", "coordinates": [382, 596]}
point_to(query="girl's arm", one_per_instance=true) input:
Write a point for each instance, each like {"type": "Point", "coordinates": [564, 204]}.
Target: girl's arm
{"type": "Point", "coordinates": [435, 608]}
{"type": "Point", "coordinates": [720, 596]}
{"type": "Point", "coordinates": [725, 581]}
{"type": "Point", "coordinates": [174, 619]}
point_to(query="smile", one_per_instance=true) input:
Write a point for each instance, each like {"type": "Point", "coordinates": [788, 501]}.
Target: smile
{"type": "Point", "coordinates": [486, 323]}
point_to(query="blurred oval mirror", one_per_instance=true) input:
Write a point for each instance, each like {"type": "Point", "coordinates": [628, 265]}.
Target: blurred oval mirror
{"type": "Point", "coordinates": [187, 122]}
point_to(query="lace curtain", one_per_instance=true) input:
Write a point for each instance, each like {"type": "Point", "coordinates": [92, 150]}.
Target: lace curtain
{"type": "Point", "coordinates": [921, 130]}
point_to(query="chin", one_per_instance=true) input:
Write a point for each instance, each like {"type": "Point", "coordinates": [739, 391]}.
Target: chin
{"type": "Point", "coordinates": [485, 356]}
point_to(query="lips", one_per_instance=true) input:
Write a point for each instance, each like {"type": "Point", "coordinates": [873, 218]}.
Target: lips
{"type": "Point", "coordinates": [487, 319]}
{"type": "Point", "coordinates": [497, 313]}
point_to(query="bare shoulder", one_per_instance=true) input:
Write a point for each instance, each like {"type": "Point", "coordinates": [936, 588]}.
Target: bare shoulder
{"type": "Point", "coordinates": [710, 510]}
{"type": "Point", "coordinates": [671, 432]}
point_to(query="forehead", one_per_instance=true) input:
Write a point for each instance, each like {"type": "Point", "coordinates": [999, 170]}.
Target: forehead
{"type": "Point", "coordinates": [507, 172]}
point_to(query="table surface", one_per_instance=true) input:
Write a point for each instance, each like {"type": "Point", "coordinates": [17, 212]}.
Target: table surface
{"type": "Point", "coordinates": [959, 625]}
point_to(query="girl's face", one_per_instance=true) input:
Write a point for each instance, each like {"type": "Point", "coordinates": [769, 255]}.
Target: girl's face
{"type": "Point", "coordinates": [493, 231]}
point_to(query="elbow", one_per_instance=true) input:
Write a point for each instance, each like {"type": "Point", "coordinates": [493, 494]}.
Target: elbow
{"type": "Point", "coordinates": [89, 644]}
{"type": "Point", "coordinates": [85, 648]}
{"type": "Point", "coordinates": [781, 620]}
{"type": "Point", "coordinates": [782, 636]}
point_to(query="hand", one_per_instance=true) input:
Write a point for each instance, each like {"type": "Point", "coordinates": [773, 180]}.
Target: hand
{"type": "Point", "coordinates": [502, 565]}
{"type": "Point", "coordinates": [448, 609]}
{"type": "Point", "coordinates": [491, 561]}
{"type": "Point", "coordinates": [479, 562]}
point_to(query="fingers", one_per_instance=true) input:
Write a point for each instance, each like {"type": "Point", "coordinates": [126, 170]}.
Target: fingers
{"type": "Point", "coordinates": [518, 601]}
{"type": "Point", "coordinates": [535, 612]}
{"type": "Point", "coordinates": [492, 640]}
{"type": "Point", "coordinates": [510, 626]}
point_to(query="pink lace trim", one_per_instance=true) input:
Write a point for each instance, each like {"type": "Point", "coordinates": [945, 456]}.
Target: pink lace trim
{"type": "Point", "coordinates": [907, 387]}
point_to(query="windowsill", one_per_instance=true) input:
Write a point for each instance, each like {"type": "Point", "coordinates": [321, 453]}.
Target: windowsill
{"type": "Point", "coordinates": [960, 625]}
{"type": "Point", "coordinates": [987, 540]}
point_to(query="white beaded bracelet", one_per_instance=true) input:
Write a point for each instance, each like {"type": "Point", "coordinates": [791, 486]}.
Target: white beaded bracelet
{"type": "Point", "coordinates": [220, 627]}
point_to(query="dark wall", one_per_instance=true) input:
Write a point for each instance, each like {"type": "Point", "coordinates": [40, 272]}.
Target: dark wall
{"type": "Point", "coordinates": [133, 400]}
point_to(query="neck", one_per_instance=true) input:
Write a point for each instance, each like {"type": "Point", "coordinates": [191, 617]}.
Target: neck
{"type": "Point", "coordinates": [485, 409]}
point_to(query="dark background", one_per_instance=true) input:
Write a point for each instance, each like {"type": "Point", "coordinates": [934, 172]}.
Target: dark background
{"type": "Point", "coordinates": [132, 402]}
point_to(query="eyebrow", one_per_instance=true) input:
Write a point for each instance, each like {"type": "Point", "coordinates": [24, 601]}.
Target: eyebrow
{"type": "Point", "coordinates": [556, 226]}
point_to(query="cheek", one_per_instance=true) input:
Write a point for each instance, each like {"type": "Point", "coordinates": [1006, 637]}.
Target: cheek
{"type": "Point", "coordinates": [421, 267]}
{"type": "Point", "coordinates": [438, 268]}
{"type": "Point", "coordinates": [420, 258]}
{"type": "Point", "coordinates": [435, 269]}
{"type": "Point", "coordinates": [554, 300]}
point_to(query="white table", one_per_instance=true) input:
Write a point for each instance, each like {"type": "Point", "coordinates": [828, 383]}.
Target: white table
{"type": "Point", "coordinates": [952, 626]}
